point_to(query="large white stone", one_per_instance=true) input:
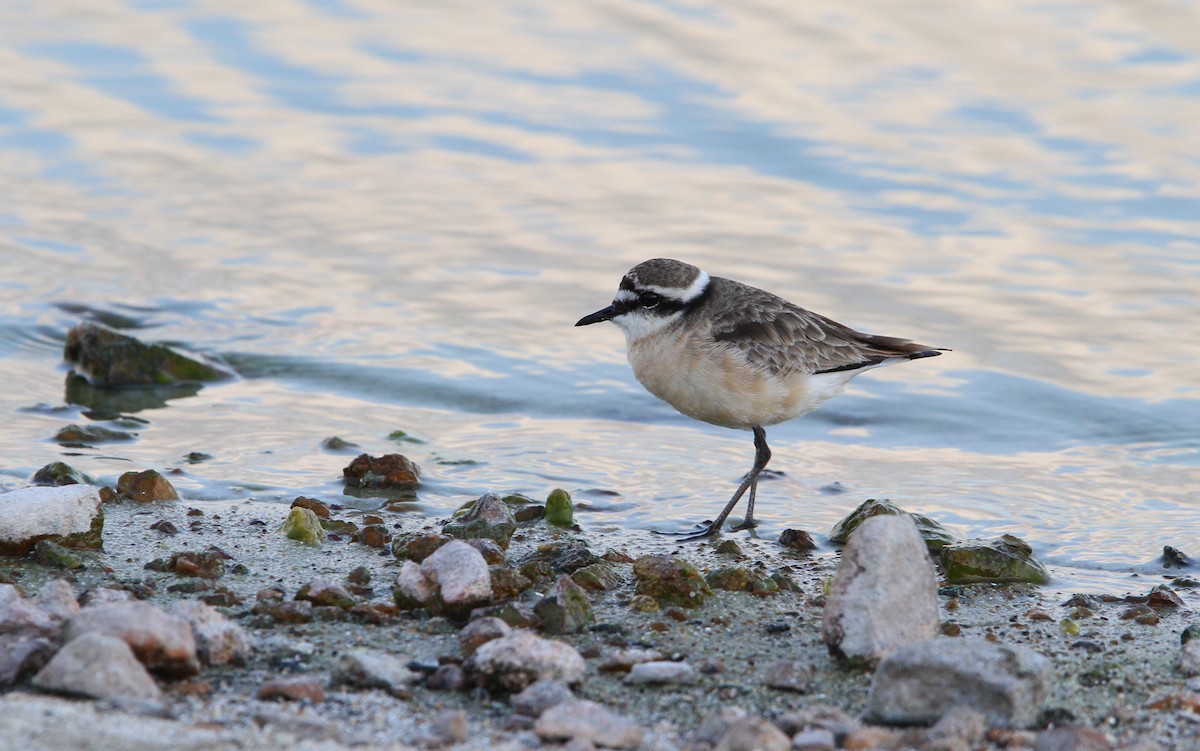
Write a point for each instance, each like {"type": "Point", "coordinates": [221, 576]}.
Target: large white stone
{"type": "Point", "coordinates": [32, 514]}
{"type": "Point", "coordinates": [884, 593]}
{"type": "Point", "coordinates": [512, 662]}
{"type": "Point", "coordinates": [99, 666]}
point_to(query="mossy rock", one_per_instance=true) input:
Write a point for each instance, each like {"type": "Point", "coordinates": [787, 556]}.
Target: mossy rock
{"type": "Point", "coordinates": [304, 526]}
{"type": "Point", "coordinates": [935, 535]}
{"type": "Point", "coordinates": [109, 358]}
{"type": "Point", "coordinates": [487, 518]}
{"type": "Point", "coordinates": [741, 579]}
{"type": "Point", "coordinates": [565, 608]}
{"type": "Point", "coordinates": [560, 509]}
{"type": "Point", "coordinates": [670, 580]}
{"type": "Point", "coordinates": [60, 473]}
{"type": "Point", "coordinates": [600, 576]}
{"type": "Point", "coordinates": [1007, 559]}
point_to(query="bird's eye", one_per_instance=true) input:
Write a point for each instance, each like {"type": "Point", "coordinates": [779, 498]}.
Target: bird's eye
{"type": "Point", "coordinates": [650, 300]}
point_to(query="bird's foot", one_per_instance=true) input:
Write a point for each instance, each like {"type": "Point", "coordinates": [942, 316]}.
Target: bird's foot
{"type": "Point", "coordinates": [705, 531]}
{"type": "Point", "coordinates": [748, 524]}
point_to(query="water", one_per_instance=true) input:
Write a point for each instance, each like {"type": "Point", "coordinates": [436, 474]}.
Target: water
{"type": "Point", "coordinates": [388, 216]}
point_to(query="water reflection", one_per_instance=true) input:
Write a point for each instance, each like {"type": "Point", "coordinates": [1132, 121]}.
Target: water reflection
{"type": "Point", "coordinates": [388, 215]}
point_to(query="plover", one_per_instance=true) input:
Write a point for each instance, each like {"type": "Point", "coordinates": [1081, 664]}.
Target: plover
{"type": "Point", "coordinates": [736, 356]}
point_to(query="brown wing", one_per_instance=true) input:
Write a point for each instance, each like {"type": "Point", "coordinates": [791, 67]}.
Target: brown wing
{"type": "Point", "coordinates": [782, 338]}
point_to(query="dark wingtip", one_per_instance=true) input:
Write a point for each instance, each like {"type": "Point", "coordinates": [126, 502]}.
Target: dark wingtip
{"type": "Point", "coordinates": [927, 353]}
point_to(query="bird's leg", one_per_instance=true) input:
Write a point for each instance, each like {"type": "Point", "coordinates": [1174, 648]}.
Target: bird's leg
{"type": "Point", "coordinates": [762, 455]}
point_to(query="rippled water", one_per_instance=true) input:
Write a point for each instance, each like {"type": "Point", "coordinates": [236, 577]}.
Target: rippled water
{"type": "Point", "coordinates": [387, 216]}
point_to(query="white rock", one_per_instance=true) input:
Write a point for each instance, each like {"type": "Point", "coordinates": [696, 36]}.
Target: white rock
{"type": "Point", "coordinates": [586, 721]}
{"type": "Point", "coordinates": [460, 576]}
{"type": "Point", "coordinates": [99, 666]}
{"type": "Point", "coordinates": [661, 671]}
{"type": "Point", "coordinates": [31, 514]}
{"type": "Point", "coordinates": [219, 641]}
{"type": "Point", "coordinates": [512, 662]}
{"type": "Point", "coordinates": [884, 592]}
{"type": "Point", "coordinates": [412, 585]}
{"type": "Point", "coordinates": [920, 683]}
{"type": "Point", "coordinates": [753, 734]}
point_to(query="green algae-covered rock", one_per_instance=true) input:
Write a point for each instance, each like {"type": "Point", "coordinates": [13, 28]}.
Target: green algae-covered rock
{"type": "Point", "coordinates": [670, 580]}
{"type": "Point", "coordinates": [109, 358]}
{"type": "Point", "coordinates": [565, 608]}
{"type": "Point", "coordinates": [741, 579]}
{"type": "Point", "coordinates": [507, 582]}
{"type": "Point", "coordinates": [50, 553]}
{"type": "Point", "coordinates": [1005, 560]}
{"type": "Point", "coordinates": [560, 510]}
{"type": "Point", "coordinates": [303, 525]}
{"type": "Point", "coordinates": [488, 517]}
{"type": "Point", "coordinates": [935, 535]}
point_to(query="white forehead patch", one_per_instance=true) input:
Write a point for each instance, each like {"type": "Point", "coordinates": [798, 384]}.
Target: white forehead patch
{"type": "Point", "coordinates": [691, 292]}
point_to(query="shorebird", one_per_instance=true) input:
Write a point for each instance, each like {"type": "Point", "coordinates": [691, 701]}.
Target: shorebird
{"type": "Point", "coordinates": [734, 355]}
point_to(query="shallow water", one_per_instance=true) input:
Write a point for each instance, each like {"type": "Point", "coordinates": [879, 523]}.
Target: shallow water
{"type": "Point", "coordinates": [388, 217]}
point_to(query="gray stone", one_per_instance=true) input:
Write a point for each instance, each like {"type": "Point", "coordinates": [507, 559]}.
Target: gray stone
{"type": "Point", "coordinates": [372, 668]}
{"type": "Point", "coordinates": [919, 683]}
{"type": "Point", "coordinates": [99, 666]}
{"type": "Point", "coordinates": [163, 643]}
{"type": "Point", "coordinates": [488, 518]}
{"type": "Point", "coordinates": [1189, 653]}
{"type": "Point", "coordinates": [660, 672]}
{"type": "Point", "coordinates": [21, 656]}
{"type": "Point", "coordinates": [821, 717]}
{"type": "Point", "coordinates": [816, 739]}
{"type": "Point", "coordinates": [63, 513]}
{"type": "Point", "coordinates": [884, 593]}
{"type": "Point", "coordinates": [961, 727]}
{"type": "Point", "coordinates": [579, 720]}
{"type": "Point", "coordinates": [753, 734]}
{"type": "Point", "coordinates": [540, 696]}
{"type": "Point", "coordinates": [512, 662]}
{"type": "Point", "coordinates": [449, 726]}
{"type": "Point", "coordinates": [787, 675]}
{"type": "Point", "coordinates": [565, 608]}
{"type": "Point", "coordinates": [219, 641]}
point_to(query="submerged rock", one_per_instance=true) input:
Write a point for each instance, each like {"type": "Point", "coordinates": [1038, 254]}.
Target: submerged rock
{"type": "Point", "coordinates": [920, 683]}
{"type": "Point", "coordinates": [670, 580]}
{"type": "Point", "coordinates": [108, 358]}
{"type": "Point", "coordinates": [304, 526]}
{"type": "Point", "coordinates": [934, 534]}
{"type": "Point", "coordinates": [146, 487]}
{"type": "Point", "coordinates": [1007, 559]}
{"type": "Point", "coordinates": [87, 435]}
{"type": "Point", "coordinates": [884, 592]}
{"type": "Point", "coordinates": [98, 666]}
{"type": "Point", "coordinates": [60, 473]}
{"type": "Point", "coordinates": [68, 515]}
{"type": "Point", "coordinates": [560, 510]}
{"type": "Point", "coordinates": [387, 472]}
{"type": "Point", "coordinates": [797, 540]}
{"type": "Point", "coordinates": [488, 517]}
{"type": "Point", "coordinates": [565, 608]}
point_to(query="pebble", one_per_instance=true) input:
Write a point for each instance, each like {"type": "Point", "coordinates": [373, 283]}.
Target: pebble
{"type": "Point", "coordinates": [479, 632]}
{"type": "Point", "coordinates": [622, 660]}
{"type": "Point", "coordinates": [146, 487]}
{"type": "Point", "coordinates": [919, 683]}
{"type": "Point", "coordinates": [448, 677]}
{"type": "Point", "coordinates": [540, 696]}
{"type": "Point", "coordinates": [1189, 653]}
{"type": "Point", "coordinates": [219, 641]}
{"type": "Point", "coordinates": [448, 727]}
{"type": "Point", "coordinates": [961, 727]}
{"type": "Point", "coordinates": [817, 739]}
{"type": "Point", "coordinates": [322, 593]}
{"type": "Point", "coordinates": [753, 734]}
{"type": "Point", "coordinates": [488, 517]}
{"type": "Point", "coordinates": [163, 643]}
{"type": "Point", "coordinates": [865, 739]}
{"type": "Point", "coordinates": [512, 662]}
{"type": "Point", "coordinates": [63, 513]}
{"type": "Point", "coordinates": [660, 672]}
{"type": "Point", "coordinates": [99, 666]}
{"type": "Point", "coordinates": [453, 580]}
{"type": "Point", "coordinates": [57, 599]}
{"type": "Point", "coordinates": [787, 675]}
{"type": "Point", "coordinates": [293, 688]}
{"type": "Point", "coordinates": [1071, 738]}
{"type": "Point", "coordinates": [884, 593]}
{"type": "Point", "coordinates": [578, 720]}
{"type": "Point", "coordinates": [819, 716]}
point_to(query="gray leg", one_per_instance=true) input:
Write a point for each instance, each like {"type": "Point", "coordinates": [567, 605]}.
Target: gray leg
{"type": "Point", "coordinates": [762, 455]}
